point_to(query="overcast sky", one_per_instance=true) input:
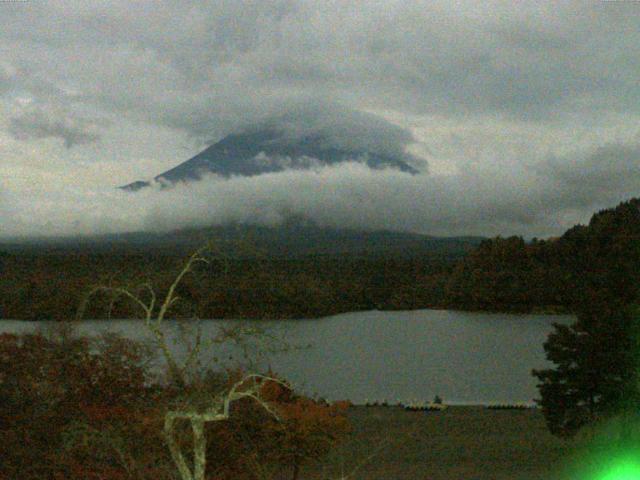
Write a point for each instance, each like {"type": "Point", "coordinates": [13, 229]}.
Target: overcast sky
{"type": "Point", "coordinates": [524, 116]}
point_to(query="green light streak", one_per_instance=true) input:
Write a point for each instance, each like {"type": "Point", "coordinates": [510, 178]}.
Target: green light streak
{"type": "Point", "coordinates": [604, 457]}
{"type": "Point", "coordinates": [626, 470]}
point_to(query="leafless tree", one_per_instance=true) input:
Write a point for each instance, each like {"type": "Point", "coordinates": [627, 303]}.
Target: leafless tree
{"type": "Point", "coordinates": [217, 406]}
{"type": "Point", "coordinates": [218, 410]}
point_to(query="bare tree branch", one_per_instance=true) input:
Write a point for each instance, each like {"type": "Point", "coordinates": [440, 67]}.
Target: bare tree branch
{"type": "Point", "coordinates": [219, 406]}
{"type": "Point", "coordinates": [196, 257]}
{"type": "Point", "coordinates": [218, 411]}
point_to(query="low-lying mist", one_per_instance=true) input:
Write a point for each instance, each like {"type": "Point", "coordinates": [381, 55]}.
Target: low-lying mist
{"type": "Point", "coordinates": [350, 195]}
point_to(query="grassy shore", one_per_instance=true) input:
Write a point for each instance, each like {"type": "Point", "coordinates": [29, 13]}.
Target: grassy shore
{"type": "Point", "coordinates": [460, 443]}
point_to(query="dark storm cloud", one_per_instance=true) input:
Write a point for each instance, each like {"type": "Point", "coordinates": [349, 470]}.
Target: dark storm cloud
{"type": "Point", "coordinates": [187, 64]}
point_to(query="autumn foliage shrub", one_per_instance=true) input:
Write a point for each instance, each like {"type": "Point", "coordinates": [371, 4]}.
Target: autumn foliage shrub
{"type": "Point", "coordinates": [76, 408]}
{"type": "Point", "coordinates": [57, 393]}
{"type": "Point", "coordinates": [310, 428]}
{"type": "Point", "coordinates": [257, 444]}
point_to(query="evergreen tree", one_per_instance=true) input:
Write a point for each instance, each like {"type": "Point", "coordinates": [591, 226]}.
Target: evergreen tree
{"type": "Point", "coordinates": [596, 374]}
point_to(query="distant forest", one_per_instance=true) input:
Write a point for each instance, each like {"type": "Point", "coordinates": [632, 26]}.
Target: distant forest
{"type": "Point", "coordinates": [589, 263]}
{"type": "Point", "coordinates": [599, 260]}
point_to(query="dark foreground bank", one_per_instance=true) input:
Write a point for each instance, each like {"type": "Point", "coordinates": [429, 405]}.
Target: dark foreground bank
{"type": "Point", "coordinates": [460, 443]}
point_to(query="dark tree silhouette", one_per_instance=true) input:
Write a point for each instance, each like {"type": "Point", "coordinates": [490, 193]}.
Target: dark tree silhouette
{"type": "Point", "coordinates": [596, 374]}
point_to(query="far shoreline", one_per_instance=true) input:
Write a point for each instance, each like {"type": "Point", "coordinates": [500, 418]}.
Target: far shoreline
{"type": "Point", "coordinates": [321, 316]}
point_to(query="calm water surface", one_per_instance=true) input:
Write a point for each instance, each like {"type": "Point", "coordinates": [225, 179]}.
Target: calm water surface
{"type": "Point", "coordinates": [394, 356]}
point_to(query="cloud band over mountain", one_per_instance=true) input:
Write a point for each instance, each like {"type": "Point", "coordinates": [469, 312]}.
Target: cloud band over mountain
{"type": "Point", "coordinates": [343, 195]}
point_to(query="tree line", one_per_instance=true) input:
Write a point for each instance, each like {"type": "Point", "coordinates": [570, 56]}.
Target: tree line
{"type": "Point", "coordinates": [50, 284]}
{"type": "Point", "coordinates": [555, 275]}
{"type": "Point", "coordinates": [501, 274]}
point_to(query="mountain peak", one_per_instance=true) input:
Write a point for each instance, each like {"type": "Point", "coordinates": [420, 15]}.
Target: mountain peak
{"type": "Point", "coordinates": [267, 150]}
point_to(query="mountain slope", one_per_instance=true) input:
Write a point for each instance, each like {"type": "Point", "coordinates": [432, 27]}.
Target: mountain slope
{"type": "Point", "coordinates": [271, 150]}
{"type": "Point", "coordinates": [295, 238]}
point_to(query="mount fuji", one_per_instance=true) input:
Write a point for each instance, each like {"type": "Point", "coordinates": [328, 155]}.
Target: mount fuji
{"type": "Point", "coordinates": [269, 150]}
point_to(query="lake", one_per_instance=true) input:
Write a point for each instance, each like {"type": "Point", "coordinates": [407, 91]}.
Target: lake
{"type": "Point", "coordinates": [465, 358]}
